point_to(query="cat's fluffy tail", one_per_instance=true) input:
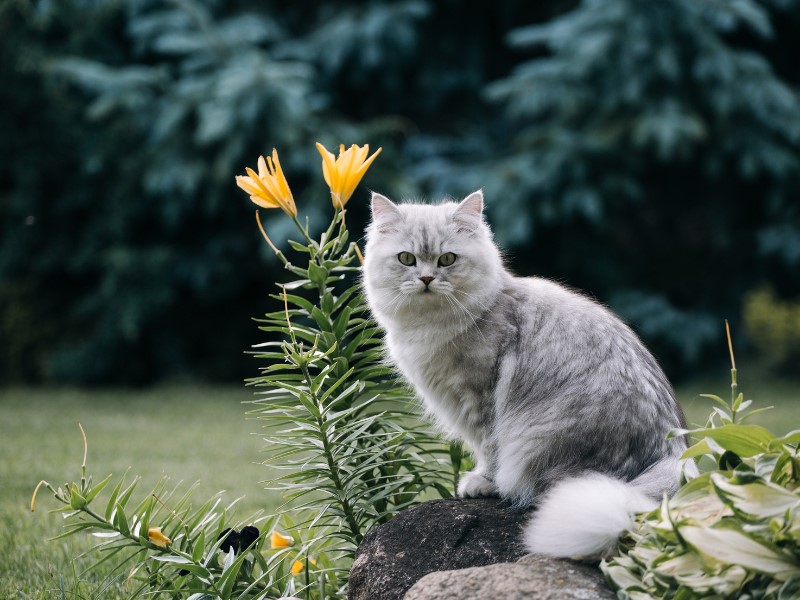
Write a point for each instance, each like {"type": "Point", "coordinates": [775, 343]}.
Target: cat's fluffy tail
{"type": "Point", "coordinates": [584, 516]}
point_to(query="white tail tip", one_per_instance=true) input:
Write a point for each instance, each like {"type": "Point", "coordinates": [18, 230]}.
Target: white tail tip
{"type": "Point", "coordinates": [584, 516]}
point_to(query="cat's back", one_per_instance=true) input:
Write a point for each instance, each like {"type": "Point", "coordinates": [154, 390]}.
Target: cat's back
{"type": "Point", "coordinates": [552, 311]}
{"type": "Point", "coordinates": [571, 345]}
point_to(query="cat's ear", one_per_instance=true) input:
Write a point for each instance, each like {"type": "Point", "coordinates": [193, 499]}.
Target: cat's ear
{"type": "Point", "coordinates": [469, 212]}
{"type": "Point", "coordinates": [385, 213]}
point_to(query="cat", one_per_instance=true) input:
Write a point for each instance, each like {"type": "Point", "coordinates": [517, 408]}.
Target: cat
{"type": "Point", "coordinates": [558, 400]}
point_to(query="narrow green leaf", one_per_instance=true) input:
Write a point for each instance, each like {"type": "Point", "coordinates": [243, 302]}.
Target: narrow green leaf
{"type": "Point", "coordinates": [716, 399]}
{"type": "Point", "coordinates": [92, 494]}
{"type": "Point", "coordinates": [121, 521]}
{"type": "Point", "coordinates": [112, 502]}
{"type": "Point", "coordinates": [183, 563]}
{"type": "Point", "coordinates": [199, 547]}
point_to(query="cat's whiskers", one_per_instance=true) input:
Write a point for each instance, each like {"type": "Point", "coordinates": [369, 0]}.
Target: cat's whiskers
{"type": "Point", "coordinates": [396, 301]}
{"type": "Point", "coordinates": [476, 299]}
{"type": "Point", "coordinates": [452, 340]}
{"type": "Point", "coordinates": [475, 318]}
{"type": "Point", "coordinates": [469, 315]}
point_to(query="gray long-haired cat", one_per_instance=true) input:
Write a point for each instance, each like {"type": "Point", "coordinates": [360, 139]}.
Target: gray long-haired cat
{"type": "Point", "coordinates": [561, 404]}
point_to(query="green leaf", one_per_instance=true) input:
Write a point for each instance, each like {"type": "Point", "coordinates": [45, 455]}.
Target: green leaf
{"type": "Point", "coordinates": [322, 320]}
{"type": "Point", "coordinates": [793, 437]}
{"type": "Point", "coordinates": [317, 274]}
{"type": "Point", "coordinates": [92, 494]}
{"type": "Point", "coordinates": [230, 571]}
{"type": "Point", "coordinates": [183, 563]}
{"type": "Point", "coordinates": [121, 521]}
{"type": "Point", "coordinates": [758, 499]}
{"type": "Point", "coordinates": [76, 501]}
{"type": "Point", "coordinates": [730, 546]}
{"type": "Point", "coordinates": [299, 247]}
{"type": "Point", "coordinates": [744, 440]}
{"type": "Point", "coordinates": [753, 413]}
{"type": "Point", "coordinates": [716, 399]}
{"type": "Point", "coordinates": [199, 547]}
{"type": "Point", "coordinates": [112, 502]}
{"type": "Point", "coordinates": [342, 321]}
{"type": "Point", "coordinates": [790, 590]}
{"type": "Point", "coordinates": [126, 495]}
{"type": "Point", "coordinates": [701, 448]}
{"type": "Point", "coordinates": [620, 577]}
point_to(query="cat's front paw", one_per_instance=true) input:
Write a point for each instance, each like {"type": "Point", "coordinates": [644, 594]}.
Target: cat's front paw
{"type": "Point", "coordinates": [475, 485]}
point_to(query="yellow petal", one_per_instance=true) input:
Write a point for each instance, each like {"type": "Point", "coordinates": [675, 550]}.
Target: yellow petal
{"type": "Point", "coordinates": [277, 540]}
{"type": "Point", "coordinates": [328, 165]}
{"type": "Point", "coordinates": [257, 181]}
{"type": "Point", "coordinates": [283, 185]}
{"type": "Point", "coordinates": [363, 168]}
{"type": "Point", "coordinates": [360, 168]}
{"type": "Point", "coordinates": [156, 537]}
{"type": "Point", "coordinates": [297, 567]}
{"type": "Point", "coordinates": [346, 170]}
{"type": "Point", "coordinates": [247, 184]}
{"type": "Point", "coordinates": [268, 188]}
{"type": "Point", "coordinates": [259, 201]}
{"type": "Point", "coordinates": [262, 167]}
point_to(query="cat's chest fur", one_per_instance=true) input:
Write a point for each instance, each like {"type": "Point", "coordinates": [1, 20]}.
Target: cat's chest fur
{"type": "Point", "coordinates": [453, 373]}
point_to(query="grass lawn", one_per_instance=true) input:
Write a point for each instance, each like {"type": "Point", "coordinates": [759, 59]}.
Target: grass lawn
{"type": "Point", "coordinates": [189, 434]}
{"type": "Point", "coordinates": [784, 395]}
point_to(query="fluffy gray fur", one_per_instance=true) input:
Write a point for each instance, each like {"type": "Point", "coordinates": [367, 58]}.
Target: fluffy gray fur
{"type": "Point", "coordinates": [546, 386]}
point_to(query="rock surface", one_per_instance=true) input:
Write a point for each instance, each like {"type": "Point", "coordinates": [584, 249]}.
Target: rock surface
{"type": "Point", "coordinates": [530, 577]}
{"type": "Point", "coordinates": [440, 535]}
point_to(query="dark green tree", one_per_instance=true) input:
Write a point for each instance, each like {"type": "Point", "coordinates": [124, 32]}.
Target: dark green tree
{"type": "Point", "coordinates": [655, 159]}
{"type": "Point", "coordinates": [646, 152]}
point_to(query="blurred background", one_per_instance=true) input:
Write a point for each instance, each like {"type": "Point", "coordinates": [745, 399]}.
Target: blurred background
{"type": "Point", "coordinates": [646, 152]}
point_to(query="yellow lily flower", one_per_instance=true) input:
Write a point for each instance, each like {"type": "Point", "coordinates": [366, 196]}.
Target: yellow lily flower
{"type": "Point", "coordinates": [298, 566]}
{"type": "Point", "coordinates": [277, 540]}
{"type": "Point", "coordinates": [159, 539]}
{"type": "Point", "coordinates": [343, 173]}
{"type": "Point", "coordinates": [268, 187]}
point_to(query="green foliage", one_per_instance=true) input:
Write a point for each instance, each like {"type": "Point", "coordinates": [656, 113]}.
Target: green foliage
{"type": "Point", "coordinates": [163, 544]}
{"type": "Point", "coordinates": [664, 120]}
{"type": "Point", "coordinates": [341, 433]}
{"type": "Point", "coordinates": [661, 141]}
{"type": "Point", "coordinates": [773, 326]}
{"type": "Point", "coordinates": [340, 426]}
{"type": "Point", "coordinates": [733, 531]}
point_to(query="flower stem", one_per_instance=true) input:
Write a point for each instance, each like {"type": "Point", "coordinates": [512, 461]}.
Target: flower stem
{"type": "Point", "coordinates": [333, 471]}
{"type": "Point", "coordinates": [303, 230]}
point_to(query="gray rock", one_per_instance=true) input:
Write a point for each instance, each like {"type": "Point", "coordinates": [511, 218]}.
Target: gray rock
{"type": "Point", "coordinates": [532, 577]}
{"type": "Point", "coordinates": [439, 535]}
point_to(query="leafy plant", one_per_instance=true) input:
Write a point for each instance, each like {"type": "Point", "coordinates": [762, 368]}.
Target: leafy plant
{"type": "Point", "coordinates": [734, 531]}
{"type": "Point", "coordinates": [163, 544]}
{"type": "Point", "coordinates": [340, 427]}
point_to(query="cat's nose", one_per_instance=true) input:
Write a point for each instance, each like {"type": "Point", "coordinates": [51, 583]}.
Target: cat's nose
{"type": "Point", "coordinates": [426, 279]}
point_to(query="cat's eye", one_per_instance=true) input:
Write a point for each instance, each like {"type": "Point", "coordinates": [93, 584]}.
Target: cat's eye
{"type": "Point", "coordinates": [407, 259]}
{"type": "Point", "coordinates": [447, 259]}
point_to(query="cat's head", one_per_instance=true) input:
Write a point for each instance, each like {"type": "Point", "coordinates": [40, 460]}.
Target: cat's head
{"type": "Point", "coordinates": [430, 258]}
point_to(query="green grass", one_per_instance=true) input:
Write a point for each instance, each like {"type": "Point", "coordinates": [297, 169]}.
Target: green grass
{"type": "Point", "coordinates": [783, 394]}
{"type": "Point", "coordinates": [188, 434]}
